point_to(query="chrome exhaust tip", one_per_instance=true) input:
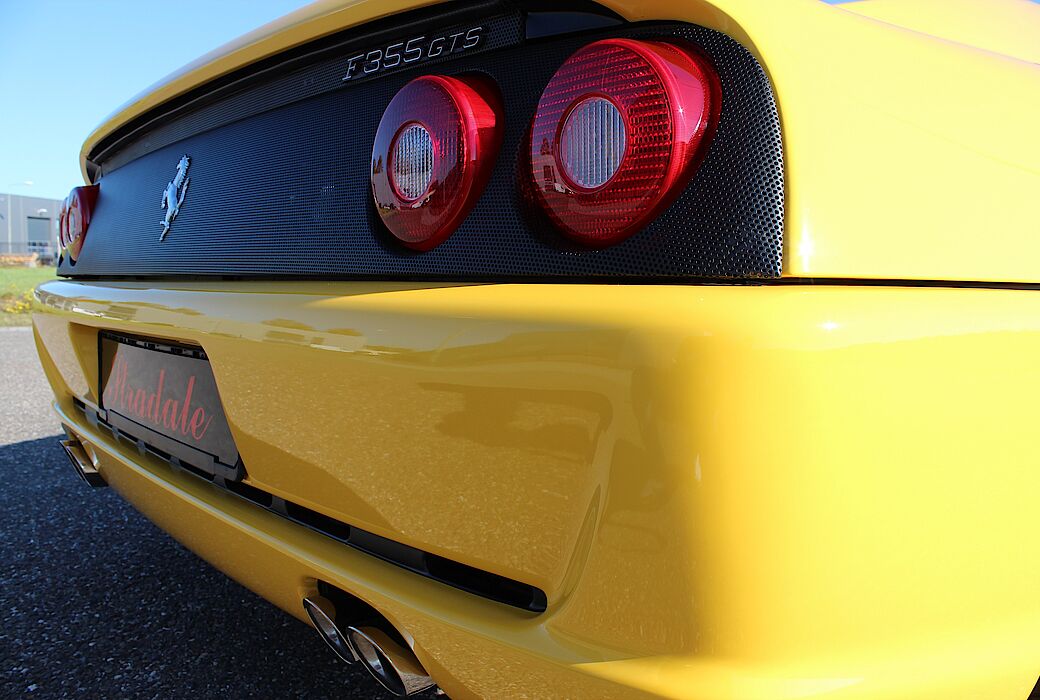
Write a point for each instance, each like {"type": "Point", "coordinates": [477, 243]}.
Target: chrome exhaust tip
{"type": "Point", "coordinates": [321, 612]}
{"type": "Point", "coordinates": [83, 462]}
{"type": "Point", "coordinates": [394, 666]}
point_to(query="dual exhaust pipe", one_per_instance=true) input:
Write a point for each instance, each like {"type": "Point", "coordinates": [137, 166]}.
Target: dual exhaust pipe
{"type": "Point", "coordinates": [84, 461]}
{"type": "Point", "coordinates": [391, 663]}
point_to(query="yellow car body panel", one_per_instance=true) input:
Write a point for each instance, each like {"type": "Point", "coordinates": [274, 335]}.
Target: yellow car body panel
{"type": "Point", "coordinates": [774, 491]}
{"type": "Point", "coordinates": [885, 129]}
{"type": "Point", "coordinates": [1010, 31]}
{"type": "Point", "coordinates": [758, 491]}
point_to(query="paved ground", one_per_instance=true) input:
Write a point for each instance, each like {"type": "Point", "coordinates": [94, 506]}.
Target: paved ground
{"type": "Point", "coordinates": [97, 602]}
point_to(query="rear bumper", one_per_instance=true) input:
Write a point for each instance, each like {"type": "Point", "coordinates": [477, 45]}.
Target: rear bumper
{"type": "Point", "coordinates": [770, 492]}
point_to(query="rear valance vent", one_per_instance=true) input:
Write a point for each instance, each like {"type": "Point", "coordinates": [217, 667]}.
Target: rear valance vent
{"type": "Point", "coordinates": [462, 576]}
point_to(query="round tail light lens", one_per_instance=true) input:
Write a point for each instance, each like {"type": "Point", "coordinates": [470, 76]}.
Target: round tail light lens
{"type": "Point", "coordinates": [433, 152]}
{"type": "Point", "coordinates": [74, 219]}
{"type": "Point", "coordinates": [411, 162]}
{"type": "Point", "coordinates": [592, 142]}
{"type": "Point", "coordinates": [619, 131]}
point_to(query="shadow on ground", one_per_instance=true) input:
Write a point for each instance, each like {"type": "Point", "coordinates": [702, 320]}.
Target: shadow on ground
{"type": "Point", "coordinates": [97, 602]}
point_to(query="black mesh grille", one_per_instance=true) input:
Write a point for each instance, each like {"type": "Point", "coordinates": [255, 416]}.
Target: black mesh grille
{"type": "Point", "coordinates": [282, 191]}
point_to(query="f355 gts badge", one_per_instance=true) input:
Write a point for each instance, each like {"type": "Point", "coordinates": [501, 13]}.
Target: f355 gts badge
{"type": "Point", "coordinates": [173, 195]}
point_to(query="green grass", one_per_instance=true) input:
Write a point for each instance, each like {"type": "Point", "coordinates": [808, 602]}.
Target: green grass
{"type": "Point", "coordinates": [16, 299]}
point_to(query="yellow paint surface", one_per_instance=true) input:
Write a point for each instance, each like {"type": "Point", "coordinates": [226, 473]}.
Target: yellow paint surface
{"type": "Point", "coordinates": [724, 491]}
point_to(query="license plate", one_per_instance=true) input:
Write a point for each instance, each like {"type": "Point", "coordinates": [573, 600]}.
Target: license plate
{"type": "Point", "coordinates": [165, 395]}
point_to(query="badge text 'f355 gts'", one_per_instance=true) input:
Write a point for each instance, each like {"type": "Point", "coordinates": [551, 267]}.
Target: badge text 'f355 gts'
{"type": "Point", "coordinates": [173, 195]}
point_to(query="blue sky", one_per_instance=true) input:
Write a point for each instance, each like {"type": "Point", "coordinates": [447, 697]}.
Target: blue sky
{"type": "Point", "coordinates": [66, 65]}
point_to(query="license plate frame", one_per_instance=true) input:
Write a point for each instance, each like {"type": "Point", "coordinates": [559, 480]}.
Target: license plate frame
{"type": "Point", "coordinates": [163, 396]}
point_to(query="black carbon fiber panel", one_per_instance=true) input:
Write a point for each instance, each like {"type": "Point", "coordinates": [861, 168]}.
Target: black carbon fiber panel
{"type": "Point", "coordinates": [283, 191]}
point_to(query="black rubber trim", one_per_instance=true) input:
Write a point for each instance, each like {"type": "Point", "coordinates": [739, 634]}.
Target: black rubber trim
{"type": "Point", "coordinates": [291, 60]}
{"type": "Point", "coordinates": [452, 573]}
{"type": "Point", "coordinates": [544, 18]}
{"type": "Point", "coordinates": [898, 282]}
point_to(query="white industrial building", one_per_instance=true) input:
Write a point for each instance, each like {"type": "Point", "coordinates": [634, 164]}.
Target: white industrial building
{"type": "Point", "coordinates": [29, 225]}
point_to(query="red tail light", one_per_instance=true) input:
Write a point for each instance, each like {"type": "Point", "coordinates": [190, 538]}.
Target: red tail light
{"type": "Point", "coordinates": [74, 219]}
{"type": "Point", "coordinates": [62, 228]}
{"type": "Point", "coordinates": [432, 156]}
{"type": "Point", "coordinates": [620, 130]}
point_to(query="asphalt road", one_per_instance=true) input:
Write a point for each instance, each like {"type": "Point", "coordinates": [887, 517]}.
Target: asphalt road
{"type": "Point", "coordinates": [95, 601]}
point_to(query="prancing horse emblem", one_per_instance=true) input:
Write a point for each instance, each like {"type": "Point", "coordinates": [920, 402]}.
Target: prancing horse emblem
{"type": "Point", "coordinates": [173, 195]}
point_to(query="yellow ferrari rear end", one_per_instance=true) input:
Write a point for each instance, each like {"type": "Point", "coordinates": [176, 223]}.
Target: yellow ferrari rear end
{"type": "Point", "coordinates": [773, 438]}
